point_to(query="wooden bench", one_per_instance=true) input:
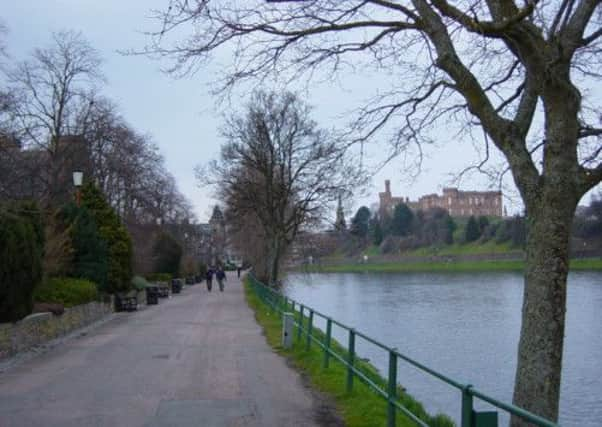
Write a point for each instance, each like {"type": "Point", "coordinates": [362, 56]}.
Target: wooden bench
{"type": "Point", "coordinates": [163, 291]}
{"type": "Point", "coordinates": [126, 302]}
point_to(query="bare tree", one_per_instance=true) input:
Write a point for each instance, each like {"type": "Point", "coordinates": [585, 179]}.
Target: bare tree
{"type": "Point", "coordinates": [279, 167]}
{"type": "Point", "coordinates": [51, 90]}
{"type": "Point", "coordinates": [496, 64]}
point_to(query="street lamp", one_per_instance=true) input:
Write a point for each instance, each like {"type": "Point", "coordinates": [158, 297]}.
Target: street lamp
{"type": "Point", "coordinates": [78, 177]}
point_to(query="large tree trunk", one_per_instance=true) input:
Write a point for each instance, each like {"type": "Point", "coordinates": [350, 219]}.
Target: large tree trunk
{"type": "Point", "coordinates": [275, 257]}
{"type": "Point", "coordinates": [550, 211]}
{"type": "Point", "coordinates": [538, 373]}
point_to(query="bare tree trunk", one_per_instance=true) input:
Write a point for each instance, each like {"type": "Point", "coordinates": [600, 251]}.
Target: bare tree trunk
{"type": "Point", "coordinates": [275, 255]}
{"type": "Point", "coordinates": [550, 211]}
{"type": "Point", "coordinates": [537, 384]}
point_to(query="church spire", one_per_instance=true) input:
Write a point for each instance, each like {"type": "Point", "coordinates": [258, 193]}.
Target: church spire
{"type": "Point", "coordinates": [340, 223]}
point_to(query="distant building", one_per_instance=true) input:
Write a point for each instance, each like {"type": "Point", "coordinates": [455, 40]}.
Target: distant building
{"type": "Point", "coordinates": [455, 202]}
{"type": "Point", "coordinates": [340, 224]}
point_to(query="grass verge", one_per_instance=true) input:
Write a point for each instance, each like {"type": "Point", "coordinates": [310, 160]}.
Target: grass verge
{"type": "Point", "coordinates": [362, 407]}
{"type": "Point", "coordinates": [451, 267]}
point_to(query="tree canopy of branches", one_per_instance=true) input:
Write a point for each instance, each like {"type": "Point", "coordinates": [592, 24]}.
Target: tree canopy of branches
{"type": "Point", "coordinates": [52, 99]}
{"type": "Point", "coordinates": [278, 168]}
{"type": "Point", "coordinates": [50, 90]}
{"type": "Point", "coordinates": [495, 64]}
{"type": "Point", "coordinates": [129, 169]}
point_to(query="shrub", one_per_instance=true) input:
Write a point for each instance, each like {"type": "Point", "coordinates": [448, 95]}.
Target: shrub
{"type": "Point", "coordinates": [168, 253]}
{"type": "Point", "coordinates": [159, 277]}
{"type": "Point", "coordinates": [116, 237]}
{"type": "Point", "coordinates": [90, 251]}
{"type": "Point", "coordinates": [472, 230]}
{"type": "Point", "coordinates": [67, 291]}
{"type": "Point", "coordinates": [21, 250]}
{"type": "Point", "coordinates": [188, 266]}
{"type": "Point", "coordinates": [139, 283]}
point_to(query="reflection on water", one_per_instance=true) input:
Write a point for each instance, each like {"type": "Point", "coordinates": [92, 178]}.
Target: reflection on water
{"type": "Point", "coordinates": [465, 326]}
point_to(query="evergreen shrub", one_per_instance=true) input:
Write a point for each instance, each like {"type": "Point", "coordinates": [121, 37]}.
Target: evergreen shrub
{"type": "Point", "coordinates": [115, 236]}
{"type": "Point", "coordinates": [21, 252]}
{"type": "Point", "coordinates": [90, 251]}
{"type": "Point", "coordinates": [167, 253]}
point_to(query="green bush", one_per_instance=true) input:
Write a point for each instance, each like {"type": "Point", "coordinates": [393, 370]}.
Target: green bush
{"type": "Point", "coordinates": [90, 251]}
{"type": "Point", "coordinates": [67, 291]}
{"type": "Point", "coordinates": [139, 283]}
{"type": "Point", "coordinates": [168, 254]}
{"type": "Point", "coordinates": [21, 251]}
{"type": "Point", "coordinates": [473, 231]}
{"type": "Point", "coordinates": [116, 237]}
{"type": "Point", "coordinates": [159, 277]}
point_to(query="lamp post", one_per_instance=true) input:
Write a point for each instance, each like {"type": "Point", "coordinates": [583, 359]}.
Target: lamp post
{"type": "Point", "coordinates": [78, 177]}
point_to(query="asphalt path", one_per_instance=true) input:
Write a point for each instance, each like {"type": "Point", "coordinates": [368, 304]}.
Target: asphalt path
{"type": "Point", "coordinates": [196, 359]}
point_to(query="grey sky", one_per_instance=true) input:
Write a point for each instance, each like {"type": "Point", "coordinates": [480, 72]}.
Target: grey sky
{"type": "Point", "coordinates": [181, 115]}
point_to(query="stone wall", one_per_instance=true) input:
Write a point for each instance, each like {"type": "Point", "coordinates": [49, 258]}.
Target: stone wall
{"type": "Point", "coordinates": [40, 328]}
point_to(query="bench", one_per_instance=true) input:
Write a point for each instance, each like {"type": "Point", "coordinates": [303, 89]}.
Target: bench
{"type": "Point", "coordinates": [126, 302]}
{"type": "Point", "coordinates": [163, 291]}
{"type": "Point", "coordinates": [176, 286]}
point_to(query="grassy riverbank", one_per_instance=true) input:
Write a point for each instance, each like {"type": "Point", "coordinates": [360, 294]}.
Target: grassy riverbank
{"type": "Point", "coordinates": [443, 266]}
{"type": "Point", "coordinates": [362, 407]}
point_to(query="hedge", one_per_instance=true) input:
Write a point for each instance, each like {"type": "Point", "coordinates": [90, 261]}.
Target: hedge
{"type": "Point", "coordinates": [67, 291]}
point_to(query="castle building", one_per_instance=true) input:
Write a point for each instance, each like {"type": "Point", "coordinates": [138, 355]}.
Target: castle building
{"type": "Point", "coordinates": [455, 202]}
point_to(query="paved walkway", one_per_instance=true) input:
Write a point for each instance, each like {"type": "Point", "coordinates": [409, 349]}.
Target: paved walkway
{"type": "Point", "coordinates": [197, 359]}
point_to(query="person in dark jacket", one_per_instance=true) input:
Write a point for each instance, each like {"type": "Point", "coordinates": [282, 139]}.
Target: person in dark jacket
{"type": "Point", "coordinates": [209, 278]}
{"type": "Point", "coordinates": [220, 275]}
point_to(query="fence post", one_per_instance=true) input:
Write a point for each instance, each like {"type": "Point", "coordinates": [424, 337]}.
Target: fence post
{"type": "Point", "coordinates": [327, 342]}
{"type": "Point", "coordinates": [310, 324]}
{"type": "Point", "coordinates": [467, 406]}
{"type": "Point", "coordinates": [300, 326]}
{"type": "Point", "coordinates": [392, 388]}
{"type": "Point", "coordinates": [350, 359]}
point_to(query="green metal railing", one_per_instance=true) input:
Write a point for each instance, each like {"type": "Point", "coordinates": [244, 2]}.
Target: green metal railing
{"type": "Point", "coordinates": [304, 323]}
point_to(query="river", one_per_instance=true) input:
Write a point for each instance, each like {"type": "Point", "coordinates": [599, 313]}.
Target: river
{"type": "Point", "coordinates": [465, 326]}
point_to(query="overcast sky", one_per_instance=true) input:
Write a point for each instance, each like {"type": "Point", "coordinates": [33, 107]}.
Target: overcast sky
{"type": "Point", "coordinates": [181, 115]}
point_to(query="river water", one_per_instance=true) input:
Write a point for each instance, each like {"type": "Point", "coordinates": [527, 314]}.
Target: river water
{"type": "Point", "coordinates": [465, 326]}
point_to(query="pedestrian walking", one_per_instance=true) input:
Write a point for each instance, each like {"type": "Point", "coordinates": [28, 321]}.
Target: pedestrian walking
{"type": "Point", "coordinates": [220, 275]}
{"type": "Point", "coordinates": [209, 278]}
{"type": "Point", "coordinates": [238, 271]}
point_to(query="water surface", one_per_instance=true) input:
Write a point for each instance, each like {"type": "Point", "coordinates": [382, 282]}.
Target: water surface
{"type": "Point", "coordinates": [465, 326]}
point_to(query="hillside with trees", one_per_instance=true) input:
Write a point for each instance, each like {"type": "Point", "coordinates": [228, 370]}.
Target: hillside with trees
{"type": "Point", "coordinates": [432, 233]}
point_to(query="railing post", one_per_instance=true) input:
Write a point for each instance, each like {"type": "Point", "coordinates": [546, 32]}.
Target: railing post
{"type": "Point", "coordinates": [327, 342]}
{"type": "Point", "coordinates": [392, 388]}
{"type": "Point", "coordinates": [467, 406]}
{"type": "Point", "coordinates": [300, 326]}
{"type": "Point", "coordinates": [350, 360]}
{"type": "Point", "coordinates": [310, 324]}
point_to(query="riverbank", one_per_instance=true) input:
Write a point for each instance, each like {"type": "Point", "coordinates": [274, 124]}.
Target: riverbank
{"type": "Point", "coordinates": [347, 266]}
{"type": "Point", "coordinates": [361, 407]}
